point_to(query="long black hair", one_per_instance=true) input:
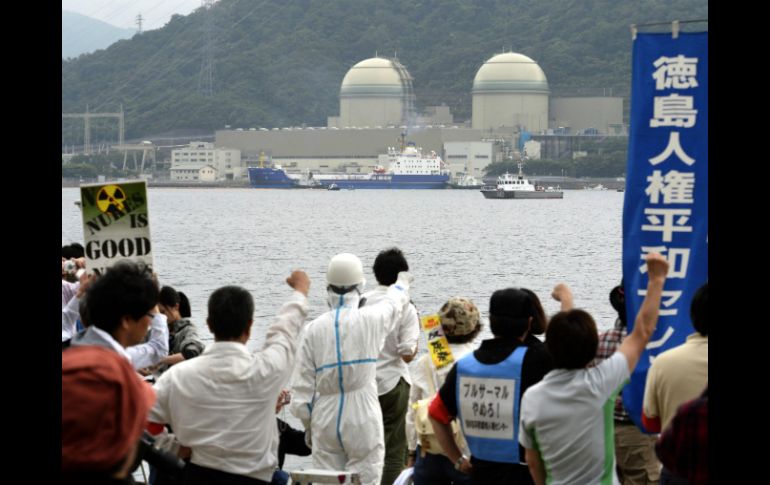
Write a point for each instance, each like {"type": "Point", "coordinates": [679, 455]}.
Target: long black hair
{"type": "Point", "coordinates": [170, 297]}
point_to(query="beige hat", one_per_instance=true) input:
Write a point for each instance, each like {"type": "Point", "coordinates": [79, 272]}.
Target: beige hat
{"type": "Point", "coordinates": [459, 316]}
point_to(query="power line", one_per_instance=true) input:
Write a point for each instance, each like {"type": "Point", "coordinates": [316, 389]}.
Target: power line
{"type": "Point", "coordinates": [206, 77]}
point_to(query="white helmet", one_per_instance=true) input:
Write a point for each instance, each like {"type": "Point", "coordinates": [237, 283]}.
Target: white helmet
{"type": "Point", "coordinates": [345, 270]}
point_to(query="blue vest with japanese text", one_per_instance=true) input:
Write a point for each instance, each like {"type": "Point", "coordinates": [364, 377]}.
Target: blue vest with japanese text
{"type": "Point", "coordinates": [488, 398]}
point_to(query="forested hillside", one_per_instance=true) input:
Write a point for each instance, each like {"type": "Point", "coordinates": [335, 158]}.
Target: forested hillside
{"type": "Point", "coordinates": [280, 62]}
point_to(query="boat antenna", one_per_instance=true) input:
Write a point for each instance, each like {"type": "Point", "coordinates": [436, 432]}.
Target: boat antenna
{"type": "Point", "coordinates": [261, 159]}
{"type": "Point", "coordinates": [402, 139]}
{"type": "Point", "coordinates": [520, 172]}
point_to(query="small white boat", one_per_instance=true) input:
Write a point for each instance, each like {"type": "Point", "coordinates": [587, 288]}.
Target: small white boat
{"type": "Point", "coordinates": [510, 186]}
{"type": "Point", "coordinates": [596, 187]}
{"type": "Point", "coordinates": [466, 182]}
{"type": "Point", "coordinates": [333, 187]}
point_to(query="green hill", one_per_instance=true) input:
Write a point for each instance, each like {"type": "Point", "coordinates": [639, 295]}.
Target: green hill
{"type": "Point", "coordinates": [281, 62]}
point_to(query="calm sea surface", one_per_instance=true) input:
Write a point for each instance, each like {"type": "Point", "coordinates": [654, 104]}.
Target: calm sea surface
{"type": "Point", "coordinates": [457, 243]}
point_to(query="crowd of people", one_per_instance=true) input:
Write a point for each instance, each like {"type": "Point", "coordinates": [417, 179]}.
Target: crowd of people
{"type": "Point", "coordinates": [538, 402]}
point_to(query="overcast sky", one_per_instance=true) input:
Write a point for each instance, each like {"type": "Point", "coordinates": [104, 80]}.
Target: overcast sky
{"type": "Point", "coordinates": [122, 13]}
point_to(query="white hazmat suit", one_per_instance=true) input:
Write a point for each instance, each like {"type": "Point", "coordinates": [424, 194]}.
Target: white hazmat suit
{"type": "Point", "coordinates": [335, 385]}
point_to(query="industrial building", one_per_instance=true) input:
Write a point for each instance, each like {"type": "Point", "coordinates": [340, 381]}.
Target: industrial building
{"type": "Point", "coordinates": [377, 104]}
{"type": "Point", "coordinates": [586, 115]}
{"type": "Point", "coordinates": [332, 149]}
{"type": "Point", "coordinates": [191, 162]}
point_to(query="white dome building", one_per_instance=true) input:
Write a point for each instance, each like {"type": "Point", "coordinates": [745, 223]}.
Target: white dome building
{"type": "Point", "coordinates": [510, 90]}
{"type": "Point", "coordinates": [376, 92]}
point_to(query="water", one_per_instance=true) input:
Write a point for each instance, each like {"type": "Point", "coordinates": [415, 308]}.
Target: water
{"type": "Point", "coordinates": [457, 243]}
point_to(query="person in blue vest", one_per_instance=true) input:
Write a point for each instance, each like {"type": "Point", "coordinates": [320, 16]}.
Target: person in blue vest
{"type": "Point", "coordinates": [483, 391]}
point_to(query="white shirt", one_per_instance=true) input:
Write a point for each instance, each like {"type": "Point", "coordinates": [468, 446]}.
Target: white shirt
{"type": "Point", "coordinates": [114, 344]}
{"type": "Point", "coordinates": [222, 403]}
{"type": "Point", "coordinates": [140, 356]}
{"type": "Point", "coordinates": [402, 340]}
{"type": "Point", "coordinates": [69, 317]}
{"type": "Point", "coordinates": [423, 385]}
{"type": "Point", "coordinates": [155, 349]}
{"type": "Point", "coordinates": [68, 291]}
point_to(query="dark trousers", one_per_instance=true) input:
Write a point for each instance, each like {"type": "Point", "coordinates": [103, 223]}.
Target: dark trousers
{"type": "Point", "coordinates": [394, 404]}
{"type": "Point", "coordinates": [292, 442]}
{"type": "Point", "coordinates": [437, 470]}
{"type": "Point", "coordinates": [198, 475]}
{"type": "Point", "coordinates": [489, 472]}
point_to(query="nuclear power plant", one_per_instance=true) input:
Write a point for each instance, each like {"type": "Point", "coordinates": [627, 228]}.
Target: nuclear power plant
{"type": "Point", "coordinates": [510, 94]}
{"type": "Point", "coordinates": [376, 92]}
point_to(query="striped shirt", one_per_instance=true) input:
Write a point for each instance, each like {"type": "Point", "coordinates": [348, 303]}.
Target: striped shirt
{"type": "Point", "coordinates": [609, 342]}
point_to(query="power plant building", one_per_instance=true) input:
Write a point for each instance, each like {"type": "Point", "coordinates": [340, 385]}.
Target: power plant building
{"type": "Point", "coordinates": [510, 93]}
{"type": "Point", "coordinates": [587, 115]}
{"type": "Point", "coordinates": [332, 149]}
{"type": "Point", "coordinates": [376, 92]}
{"type": "Point", "coordinates": [377, 104]}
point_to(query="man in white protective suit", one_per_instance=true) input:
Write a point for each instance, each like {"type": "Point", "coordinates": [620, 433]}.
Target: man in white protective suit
{"type": "Point", "coordinates": [334, 382]}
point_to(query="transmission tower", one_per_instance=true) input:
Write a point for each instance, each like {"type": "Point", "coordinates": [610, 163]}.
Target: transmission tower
{"type": "Point", "coordinates": [87, 125]}
{"type": "Point", "coordinates": [206, 79]}
{"type": "Point", "coordinates": [139, 23]}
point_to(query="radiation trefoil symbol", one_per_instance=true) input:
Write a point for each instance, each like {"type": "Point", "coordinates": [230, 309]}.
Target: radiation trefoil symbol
{"type": "Point", "coordinates": [110, 199]}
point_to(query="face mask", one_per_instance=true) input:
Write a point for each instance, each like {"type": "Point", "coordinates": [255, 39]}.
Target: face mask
{"type": "Point", "coordinates": [349, 299]}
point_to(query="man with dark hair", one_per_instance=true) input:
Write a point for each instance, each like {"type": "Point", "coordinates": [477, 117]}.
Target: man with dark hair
{"type": "Point", "coordinates": [73, 251]}
{"type": "Point", "coordinates": [393, 379]}
{"type": "Point", "coordinates": [483, 391]}
{"type": "Point", "coordinates": [121, 305]}
{"type": "Point", "coordinates": [678, 374]}
{"type": "Point", "coordinates": [72, 260]}
{"type": "Point", "coordinates": [566, 426]}
{"type": "Point", "coordinates": [221, 404]}
{"type": "Point", "coordinates": [634, 450]}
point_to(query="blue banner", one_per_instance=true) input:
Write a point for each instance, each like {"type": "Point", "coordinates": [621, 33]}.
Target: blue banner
{"type": "Point", "coordinates": [666, 199]}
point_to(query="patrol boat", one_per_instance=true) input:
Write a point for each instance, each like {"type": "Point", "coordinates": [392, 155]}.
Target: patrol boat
{"type": "Point", "coordinates": [510, 186]}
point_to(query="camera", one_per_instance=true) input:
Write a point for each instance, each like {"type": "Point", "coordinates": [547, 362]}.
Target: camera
{"type": "Point", "coordinates": [70, 267]}
{"type": "Point", "coordinates": [71, 270]}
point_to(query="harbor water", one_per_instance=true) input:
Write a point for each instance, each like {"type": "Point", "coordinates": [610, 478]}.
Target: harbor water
{"type": "Point", "coordinates": [457, 243]}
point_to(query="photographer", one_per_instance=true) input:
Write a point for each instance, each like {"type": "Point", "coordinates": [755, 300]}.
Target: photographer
{"type": "Point", "coordinates": [73, 265]}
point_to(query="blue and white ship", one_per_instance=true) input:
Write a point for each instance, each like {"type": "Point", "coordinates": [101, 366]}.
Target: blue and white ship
{"type": "Point", "coordinates": [269, 177]}
{"type": "Point", "coordinates": [408, 169]}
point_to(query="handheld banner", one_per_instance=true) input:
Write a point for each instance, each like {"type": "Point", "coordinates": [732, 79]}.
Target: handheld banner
{"type": "Point", "coordinates": [438, 346]}
{"type": "Point", "coordinates": [666, 199]}
{"type": "Point", "coordinates": [116, 224]}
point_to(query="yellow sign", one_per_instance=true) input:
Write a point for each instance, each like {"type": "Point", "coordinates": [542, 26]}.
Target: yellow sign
{"type": "Point", "coordinates": [430, 322]}
{"type": "Point", "coordinates": [438, 345]}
